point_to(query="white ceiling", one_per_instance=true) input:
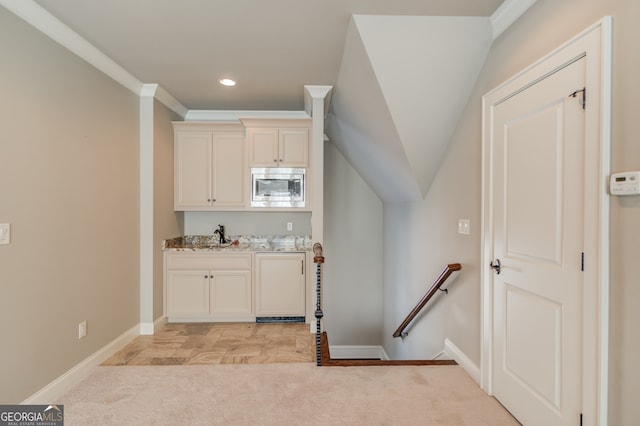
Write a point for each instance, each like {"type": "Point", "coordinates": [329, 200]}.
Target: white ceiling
{"type": "Point", "coordinates": [401, 70]}
{"type": "Point", "coordinates": [271, 47]}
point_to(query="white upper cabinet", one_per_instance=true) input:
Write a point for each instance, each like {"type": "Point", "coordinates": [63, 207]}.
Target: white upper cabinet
{"type": "Point", "coordinates": [293, 146]}
{"type": "Point", "coordinates": [263, 147]}
{"type": "Point", "coordinates": [269, 147]}
{"type": "Point", "coordinates": [278, 144]}
{"type": "Point", "coordinates": [193, 177]}
{"type": "Point", "coordinates": [228, 170]}
{"type": "Point", "coordinates": [209, 168]}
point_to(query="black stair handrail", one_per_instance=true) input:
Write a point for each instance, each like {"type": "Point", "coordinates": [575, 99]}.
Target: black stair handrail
{"type": "Point", "coordinates": [318, 259]}
{"type": "Point", "coordinates": [425, 299]}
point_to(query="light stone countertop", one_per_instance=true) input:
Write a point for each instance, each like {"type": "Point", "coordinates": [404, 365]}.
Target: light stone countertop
{"type": "Point", "coordinates": [206, 243]}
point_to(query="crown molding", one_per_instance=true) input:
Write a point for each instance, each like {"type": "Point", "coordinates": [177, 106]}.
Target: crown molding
{"type": "Point", "coordinates": [233, 116]}
{"type": "Point", "coordinates": [148, 90]}
{"type": "Point", "coordinates": [45, 22]}
{"type": "Point", "coordinates": [41, 19]}
{"type": "Point", "coordinates": [507, 14]}
{"type": "Point", "coordinates": [312, 92]}
{"type": "Point", "coordinates": [170, 102]}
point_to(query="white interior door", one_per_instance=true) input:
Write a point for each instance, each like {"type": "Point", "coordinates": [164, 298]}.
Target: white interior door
{"type": "Point", "coordinates": [538, 224]}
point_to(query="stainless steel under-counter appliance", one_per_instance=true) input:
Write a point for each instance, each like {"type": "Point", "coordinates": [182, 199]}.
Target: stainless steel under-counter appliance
{"type": "Point", "coordinates": [278, 187]}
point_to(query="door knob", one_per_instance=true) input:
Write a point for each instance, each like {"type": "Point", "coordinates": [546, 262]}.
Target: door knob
{"type": "Point", "coordinates": [496, 266]}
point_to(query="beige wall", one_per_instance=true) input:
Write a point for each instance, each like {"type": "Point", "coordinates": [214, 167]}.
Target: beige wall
{"type": "Point", "coordinates": [433, 240]}
{"type": "Point", "coordinates": [69, 188]}
{"type": "Point", "coordinates": [166, 222]}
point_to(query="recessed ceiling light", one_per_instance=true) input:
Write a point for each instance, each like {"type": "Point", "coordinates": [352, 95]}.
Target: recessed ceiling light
{"type": "Point", "coordinates": [227, 82]}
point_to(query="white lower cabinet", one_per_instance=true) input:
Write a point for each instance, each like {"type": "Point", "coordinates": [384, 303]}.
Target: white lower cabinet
{"type": "Point", "coordinates": [187, 293]}
{"type": "Point", "coordinates": [279, 280]}
{"type": "Point", "coordinates": [230, 294]}
{"type": "Point", "coordinates": [208, 287]}
{"type": "Point", "coordinates": [233, 286]}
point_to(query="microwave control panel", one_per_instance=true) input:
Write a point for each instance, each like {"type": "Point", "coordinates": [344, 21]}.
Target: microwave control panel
{"type": "Point", "coordinates": [625, 183]}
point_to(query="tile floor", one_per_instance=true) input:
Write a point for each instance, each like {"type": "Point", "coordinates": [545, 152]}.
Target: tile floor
{"type": "Point", "coordinates": [219, 343]}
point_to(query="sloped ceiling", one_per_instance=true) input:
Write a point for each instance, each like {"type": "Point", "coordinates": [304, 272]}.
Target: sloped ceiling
{"type": "Point", "coordinates": [403, 84]}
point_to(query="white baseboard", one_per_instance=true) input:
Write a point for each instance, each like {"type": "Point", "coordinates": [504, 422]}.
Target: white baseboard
{"type": "Point", "coordinates": [148, 328]}
{"type": "Point", "coordinates": [313, 325]}
{"type": "Point", "coordinates": [455, 353]}
{"type": "Point", "coordinates": [357, 352]}
{"type": "Point", "coordinates": [51, 392]}
{"type": "Point", "coordinates": [442, 355]}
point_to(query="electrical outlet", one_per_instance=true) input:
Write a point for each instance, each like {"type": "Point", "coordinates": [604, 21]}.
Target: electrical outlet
{"type": "Point", "coordinates": [82, 329]}
{"type": "Point", "coordinates": [5, 233]}
{"type": "Point", "coordinates": [464, 226]}
{"type": "Point", "coordinates": [289, 226]}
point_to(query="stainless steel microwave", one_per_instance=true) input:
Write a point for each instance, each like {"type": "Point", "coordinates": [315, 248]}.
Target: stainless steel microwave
{"type": "Point", "coordinates": [278, 187]}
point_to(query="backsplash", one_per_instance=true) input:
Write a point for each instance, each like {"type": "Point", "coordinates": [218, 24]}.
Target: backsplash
{"type": "Point", "coordinates": [247, 223]}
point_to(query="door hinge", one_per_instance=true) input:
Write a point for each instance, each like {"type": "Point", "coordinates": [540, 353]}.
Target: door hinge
{"type": "Point", "coordinates": [584, 96]}
{"type": "Point", "coordinates": [582, 262]}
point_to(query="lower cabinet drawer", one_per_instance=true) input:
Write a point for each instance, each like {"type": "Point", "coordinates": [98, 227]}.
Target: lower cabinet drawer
{"type": "Point", "coordinates": [220, 261]}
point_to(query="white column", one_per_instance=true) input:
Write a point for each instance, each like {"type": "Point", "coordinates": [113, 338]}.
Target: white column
{"type": "Point", "coordinates": [316, 107]}
{"type": "Point", "coordinates": [146, 207]}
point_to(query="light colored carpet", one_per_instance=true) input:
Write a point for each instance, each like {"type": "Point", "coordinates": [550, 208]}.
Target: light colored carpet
{"type": "Point", "coordinates": [281, 394]}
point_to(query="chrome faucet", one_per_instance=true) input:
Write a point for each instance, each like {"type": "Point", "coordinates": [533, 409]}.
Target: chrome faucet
{"type": "Point", "coordinates": [220, 232]}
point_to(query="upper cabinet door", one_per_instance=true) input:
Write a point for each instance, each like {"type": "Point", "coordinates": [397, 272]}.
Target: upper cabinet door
{"type": "Point", "coordinates": [210, 170]}
{"type": "Point", "coordinates": [192, 184]}
{"type": "Point", "coordinates": [263, 147]}
{"type": "Point", "coordinates": [228, 170]}
{"type": "Point", "coordinates": [278, 147]}
{"type": "Point", "coordinates": [293, 147]}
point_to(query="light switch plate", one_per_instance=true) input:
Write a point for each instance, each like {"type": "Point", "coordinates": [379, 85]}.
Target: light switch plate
{"type": "Point", "coordinates": [464, 226]}
{"type": "Point", "coordinates": [5, 233]}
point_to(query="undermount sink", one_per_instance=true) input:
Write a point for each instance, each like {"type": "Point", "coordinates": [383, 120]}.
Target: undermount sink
{"type": "Point", "coordinates": [212, 245]}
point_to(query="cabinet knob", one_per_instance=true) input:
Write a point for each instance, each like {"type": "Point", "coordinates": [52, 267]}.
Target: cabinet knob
{"type": "Point", "coordinates": [275, 160]}
{"type": "Point", "coordinates": [206, 276]}
{"type": "Point", "coordinates": [213, 199]}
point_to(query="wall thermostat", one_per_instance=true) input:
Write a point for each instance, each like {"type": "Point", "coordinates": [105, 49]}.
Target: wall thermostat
{"type": "Point", "coordinates": [625, 183]}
